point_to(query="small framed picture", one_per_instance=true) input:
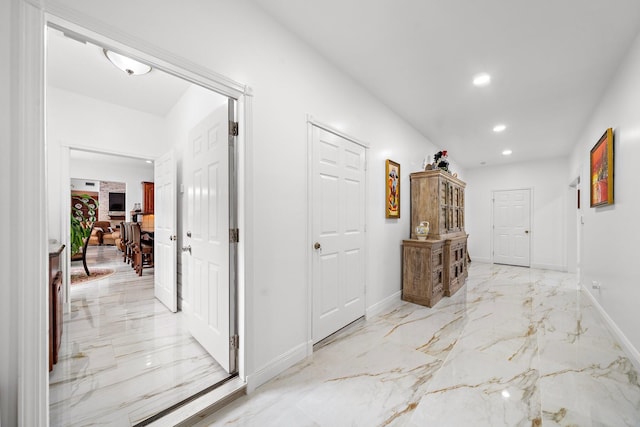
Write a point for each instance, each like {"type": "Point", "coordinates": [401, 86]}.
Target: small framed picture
{"type": "Point", "coordinates": [392, 200]}
{"type": "Point", "coordinates": [601, 171]}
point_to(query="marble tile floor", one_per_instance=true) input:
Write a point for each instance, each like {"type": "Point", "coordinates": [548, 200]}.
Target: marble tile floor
{"type": "Point", "coordinates": [124, 356]}
{"type": "Point", "coordinates": [514, 347]}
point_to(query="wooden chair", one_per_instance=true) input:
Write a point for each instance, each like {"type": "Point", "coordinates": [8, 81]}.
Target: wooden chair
{"type": "Point", "coordinates": [129, 244]}
{"type": "Point", "coordinates": [123, 241]}
{"type": "Point", "coordinates": [142, 251]}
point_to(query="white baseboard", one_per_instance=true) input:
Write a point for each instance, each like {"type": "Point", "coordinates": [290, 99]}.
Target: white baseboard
{"type": "Point", "coordinates": [277, 366]}
{"type": "Point", "coordinates": [628, 348]}
{"type": "Point", "coordinates": [383, 305]}
{"type": "Point", "coordinates": [185, 306]}
{"type": "Point", "coordinates": [553, 267]}
{"type": "Point", "coordinates": [549, 267]}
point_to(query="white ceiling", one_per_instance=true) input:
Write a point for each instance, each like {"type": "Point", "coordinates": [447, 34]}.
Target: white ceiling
{"type": "Point", "coordinates": [90, 156]}
{"type": "Point", "coordinates": [550, 61]}
{"type": "Point", "coordinates": [84, 69]}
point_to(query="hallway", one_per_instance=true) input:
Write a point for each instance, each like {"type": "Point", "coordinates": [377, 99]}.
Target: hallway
{"type": "Point", "coordinates": [124, 356]}
{"type": "Point", "coordinates": [514, 347]}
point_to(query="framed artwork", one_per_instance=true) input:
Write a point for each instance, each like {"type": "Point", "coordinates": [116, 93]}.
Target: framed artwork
{"type": "Point", "coordinates": [392, 200]}
{"type": "Point", "coordinates": [601, 171]}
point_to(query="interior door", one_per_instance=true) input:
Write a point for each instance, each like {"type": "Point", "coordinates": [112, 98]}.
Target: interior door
{"type": "Point", "coordinates": [208, 235]}
{"type": "Point", "coordinates": [164, 245]}
{"type": "Point", "coordinates": [338, 218]}
{"type": "Point", "coordinates": [511, 227]}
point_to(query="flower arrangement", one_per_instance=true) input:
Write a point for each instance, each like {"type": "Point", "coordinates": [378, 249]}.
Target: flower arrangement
{"type": "Point", "coordinates": [441, 161]}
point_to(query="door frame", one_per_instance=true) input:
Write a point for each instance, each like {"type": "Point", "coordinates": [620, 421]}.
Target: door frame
{"type": "Point", "coordinates": [574, 228]}
{"type": "Point", "coordinates": [311, 123]}
{"type": "Point", "coordinates": [31, 315]}
{"type": "Point", "coordinates": [65, 208]}
{"type": "Point", "coordinates": [531, 222]}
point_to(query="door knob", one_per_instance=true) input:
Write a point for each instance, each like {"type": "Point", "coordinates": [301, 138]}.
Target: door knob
{"type": "Point", "coordinates": [317, 246]}
{"type": "Point", "coordinates": [188, 234]}
{"type": "Point", "coordinates": [186, 249]}
{"type": "Point", "coordinates": [526, 231]}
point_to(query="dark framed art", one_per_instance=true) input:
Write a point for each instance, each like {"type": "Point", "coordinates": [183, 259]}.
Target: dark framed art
{"type": "Point", "coordinates": [601, 171]}
{"type": "Point", "coordinates": [392, 200]}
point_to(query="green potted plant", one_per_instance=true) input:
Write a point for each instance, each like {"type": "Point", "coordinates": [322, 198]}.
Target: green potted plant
{"type": "Point", "coordinates": [83, 215]}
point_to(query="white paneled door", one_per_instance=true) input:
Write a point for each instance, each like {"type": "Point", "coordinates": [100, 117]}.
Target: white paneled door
{"type": "Point", "coordinates": [164, 245]}
{"type": "Point", "coordinates": [338, 223]}
{"type": "Point", "coordinates": [512, 227]}
{"type": "Point", "coordinates": [207, 235]}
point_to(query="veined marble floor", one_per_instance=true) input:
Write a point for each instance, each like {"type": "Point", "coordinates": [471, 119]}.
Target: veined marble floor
{"type": "Point", "coordinates": [124, 356]}
{"type": "Point", "coordinates": [514, 347]}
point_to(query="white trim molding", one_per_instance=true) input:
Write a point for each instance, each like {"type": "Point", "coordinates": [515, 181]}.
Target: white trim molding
{"type": "Point", "coordinates": [245, 224]}
{"type": "Point", "coordinates": [381, 306]}
{"type": "Point", "coordinates": [277, 366]}
{"type": "Point", "coordinates": [29, 222]}
{"type": "Point", "coordinates": [631, 351]}
{"type": "Point", "coordinates": [553, 267]}
{"type": "Point", "coordinates": [317, 123]}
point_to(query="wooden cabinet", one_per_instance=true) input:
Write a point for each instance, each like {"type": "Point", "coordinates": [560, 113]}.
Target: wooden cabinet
{"type": "Point", "coordinates": [455, 258]}
{"type": "Point", "coordinates": [437, 197]}
{"type": "Point", "coordinates": [435, 267]}
{"type": "Point", "coordinates": [55, 303]}
{"type": "Point", "coordinates": [147, 197]}
{"type": "Point", "coordinates": [423, 271]}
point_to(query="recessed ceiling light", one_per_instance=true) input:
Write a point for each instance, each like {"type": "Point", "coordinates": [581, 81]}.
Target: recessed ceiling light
{"type": "Point", "coordinates": [126, 64]}
{"type": "Point", "coordinates": [499, 128]}
{"type": "Point", "coordinates": [149, 161]}
{"type": "Point", "coordinates": [507, 152]}
{"type": "Point", "coordinates": [481, 79]}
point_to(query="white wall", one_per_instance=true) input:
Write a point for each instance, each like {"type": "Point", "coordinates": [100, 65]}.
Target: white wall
{"type": "Point", "coordinates": [289, 82]}
{"type": "Point", "coordinates": [611, 234]}
{"type": "Point", "coordinates": [81, 122]}
{"type": "Point", "coordinates": [115, 172]}
{"type": "Point", "coordinates": [8, 294]}
{"type": "Point", "coordinates": [549, 184]}
{"type": "Point", "coordinates": [79, 184]}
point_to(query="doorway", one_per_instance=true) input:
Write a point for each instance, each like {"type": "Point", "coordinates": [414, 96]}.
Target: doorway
{"type": "Point", "coordinates": [153, 334]}
{"type": "Point", "coordinates": [512, 227]}
{"type": "Point", "coordinates": [337, 217]}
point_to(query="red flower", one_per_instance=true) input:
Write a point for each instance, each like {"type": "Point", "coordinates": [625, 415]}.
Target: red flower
{"type": "Point", "coordinates": [444, 153]}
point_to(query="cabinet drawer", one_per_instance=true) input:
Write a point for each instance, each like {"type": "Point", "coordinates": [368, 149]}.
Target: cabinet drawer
{"type": "Point", "coordinates": [437, 258]}
{"type": "Point", "coordinates": [437, 280]}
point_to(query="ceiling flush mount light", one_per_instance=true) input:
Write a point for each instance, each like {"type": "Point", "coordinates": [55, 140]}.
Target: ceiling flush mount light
{"type": "Point", "coordinates": [481, 79]}
{"type": "Point", "coordinates": [149, 161]}
{"type": "Point", "coordinates": [499, 128]}
{"type": "Point", "coordinates": [126, 64]}
{"type": "Point", "coordinates": [507, 152]}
